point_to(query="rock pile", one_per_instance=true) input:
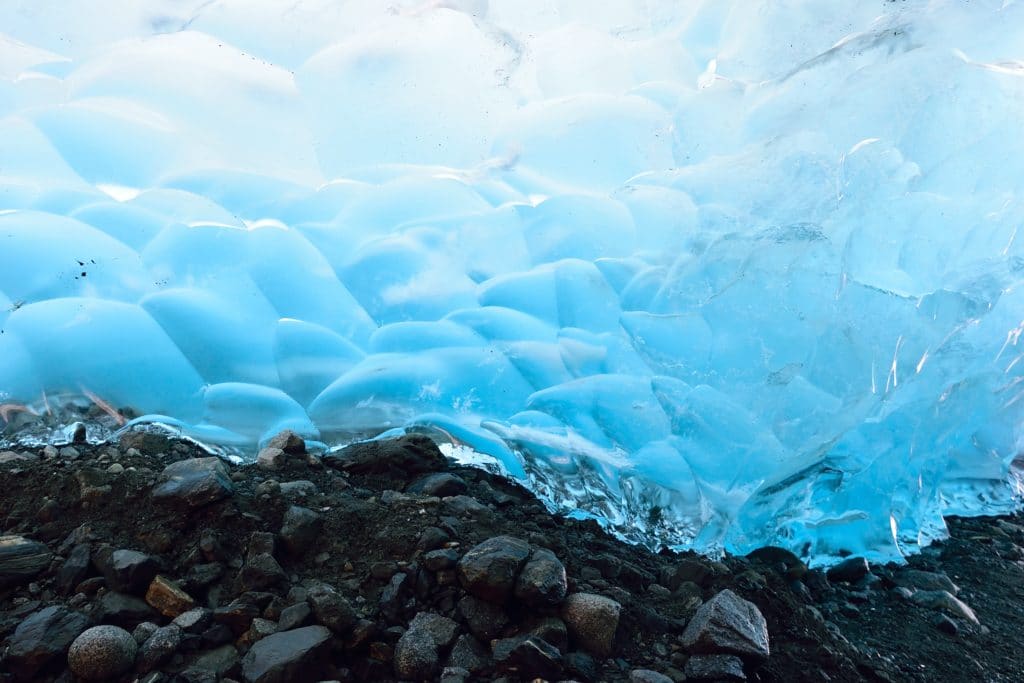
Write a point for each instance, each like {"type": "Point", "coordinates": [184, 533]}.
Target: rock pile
{"type": "Point", "coordinates": [383, 562]}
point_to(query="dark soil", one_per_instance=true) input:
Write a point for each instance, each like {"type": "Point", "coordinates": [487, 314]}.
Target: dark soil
{"type": "Point", "coordinates": [372, 546]}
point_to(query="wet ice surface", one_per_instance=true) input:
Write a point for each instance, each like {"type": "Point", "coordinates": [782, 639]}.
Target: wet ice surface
{"type": "Point", "coordinates": [720, 274]}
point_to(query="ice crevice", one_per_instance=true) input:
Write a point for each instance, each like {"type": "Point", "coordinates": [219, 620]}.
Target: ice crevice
{"type": "Point", "coordinates": [719, 274]}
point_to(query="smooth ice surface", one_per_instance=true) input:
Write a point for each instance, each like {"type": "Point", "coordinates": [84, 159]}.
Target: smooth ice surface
{"type": "Point", "coordinates": [721, 273]}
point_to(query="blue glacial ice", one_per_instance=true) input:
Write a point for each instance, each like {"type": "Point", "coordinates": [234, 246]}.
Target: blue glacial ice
{"type": "Point", "coordinates": [720, 274]}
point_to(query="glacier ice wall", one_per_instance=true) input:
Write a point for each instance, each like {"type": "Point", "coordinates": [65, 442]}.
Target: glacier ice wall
{"type": "Point", "coordinates": [721, 273]}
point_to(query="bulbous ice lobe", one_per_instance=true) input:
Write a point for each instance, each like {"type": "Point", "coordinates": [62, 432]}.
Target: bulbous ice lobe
{"type": "Point", "coordinates": [720, 274]}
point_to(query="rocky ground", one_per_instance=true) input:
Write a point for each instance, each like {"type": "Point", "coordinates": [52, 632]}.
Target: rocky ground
{"type": "Point", "coordinates": [148, 560]}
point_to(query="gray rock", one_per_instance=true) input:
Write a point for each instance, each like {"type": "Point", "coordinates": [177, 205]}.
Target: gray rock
{"type": "Point", "coordinates": [294, 616]}
{"type": "Point", "coordinates": [102, 653]}
{"type": "Point", "coordinates": [271, 458]}
{"type": "Point", "coordinates": [542, 581]}
{"type": "Point", "coordinates": [551, 629]}
{"type": "Point", "coordinates": [943, 600]}
{"type": "Point", "coordinates": [438, 560]}
{"type": "Point", "coordinates": [416, 656]}
{"type": "Point", "coordinates": [287, 656]}
{"type": "Point", "coordinates": [260, 571]}
{"type": "Point", "coordinates": [440, 484]}
{"type": "Point", "coordinates": [21, 559]}
{"type": "Point", "coordinates": [219, 660]}
{"type": "Point", "coordinates": [300, 488]}
{"type": "Point", "coordinates": [331, 609]}
{"type": "Point", "coordinates": [237, 616]}
{"type": "Point", "coordinates": [301, 529]}
{"type": "Point", "coordinates": [442, 630]}
{"type": "Point", "coordinates": [528, 656]}
{"type": "Point", "coordinates": [41, 641]}
{"type": "Point", "coordinates": [127, 571]}
{"type": "Point", "coordinates": [464, 506]}
{"type": "Point", "coordinates": [193, 483]}
{"type": "Point", "coordinates": [289, 442]}
{"type": "Point", "coordinates": [75, 569]}
{"type": "Point", "coordinates": [592, 621]}
{"type": "Point", "coordinates": [926, 581]}
{"type": "Point", "coordinates": [196, 620]}
{"type": "Point", "coordinates": [489, 570]}
{"type": "Point", "coordinates": [850, 570]}
{"type": "Point", "coordinates": [407, 455]}
{"type": "Point", "coordinates": [715, 668]}
{"type": "Point", "coordinates": [123, 610]}
{"type": "Point", "coordinates": [649, 676]}
{"type": "Point", "coordinates": [484, 619]}
{"type": "Point", "coordinates": [728, 624]}
{"type": "Point", "coordinates": [468, 654]}
{"type": "Point", "coordinates": [417, 653]}
{"type": "Point", "coordinates": [143, 631]}
{"type": "Point", "coordinates": [158, 648]}
{"type": "Point", "coordinates": [686, 570]}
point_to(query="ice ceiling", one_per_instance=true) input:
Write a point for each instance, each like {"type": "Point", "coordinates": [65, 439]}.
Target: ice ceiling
{"type": "Point", "coordinates": [719, 273]}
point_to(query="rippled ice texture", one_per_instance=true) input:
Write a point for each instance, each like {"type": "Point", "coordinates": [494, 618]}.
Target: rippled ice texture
{"type": "Point", "coordinates": [719, 273]}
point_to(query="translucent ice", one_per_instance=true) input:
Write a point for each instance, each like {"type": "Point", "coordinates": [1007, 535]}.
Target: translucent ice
{"type": "Point", "coordinates": [719, 274]}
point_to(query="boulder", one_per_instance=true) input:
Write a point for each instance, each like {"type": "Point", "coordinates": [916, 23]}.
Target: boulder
{"type": "Point", "coordinates": [417, 653]}
{"type": "Point", "coordinates": [287, 656]}
{"type": "Point", "coordinates": [41, 641]}
{"type": "Point", "coordinates": [592, 621]}
{"type": "Point", "coordinates": [102, 653]}
{"type": "Point", "coordinates": [489, 570]}
{"type": "Point", "coordinates": [407, 455]}
{"type": "Point", "coordinates": [193, 483]}
{"type": "Point", "coordinates": [542, 581]}
{"type": "Point", "coordinates": [126, 571]}
{"type": "Point", "coordinates": [728, 624]}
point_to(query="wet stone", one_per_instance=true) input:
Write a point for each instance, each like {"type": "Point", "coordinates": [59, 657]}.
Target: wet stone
{"type": "Point", "coordinates": [40, 642]}
{"type": "Point", "coordinates": [295, 616]}
{"type": "Point", "coordinates": [74, 569]}
{"type": "Point", "coordinates": [287, 656]}
{"type": "Point", "coordinates": [21, 559]}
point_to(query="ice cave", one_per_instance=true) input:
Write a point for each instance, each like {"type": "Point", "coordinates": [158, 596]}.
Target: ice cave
{"type": "Point", "coordinates": [719, 274]}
